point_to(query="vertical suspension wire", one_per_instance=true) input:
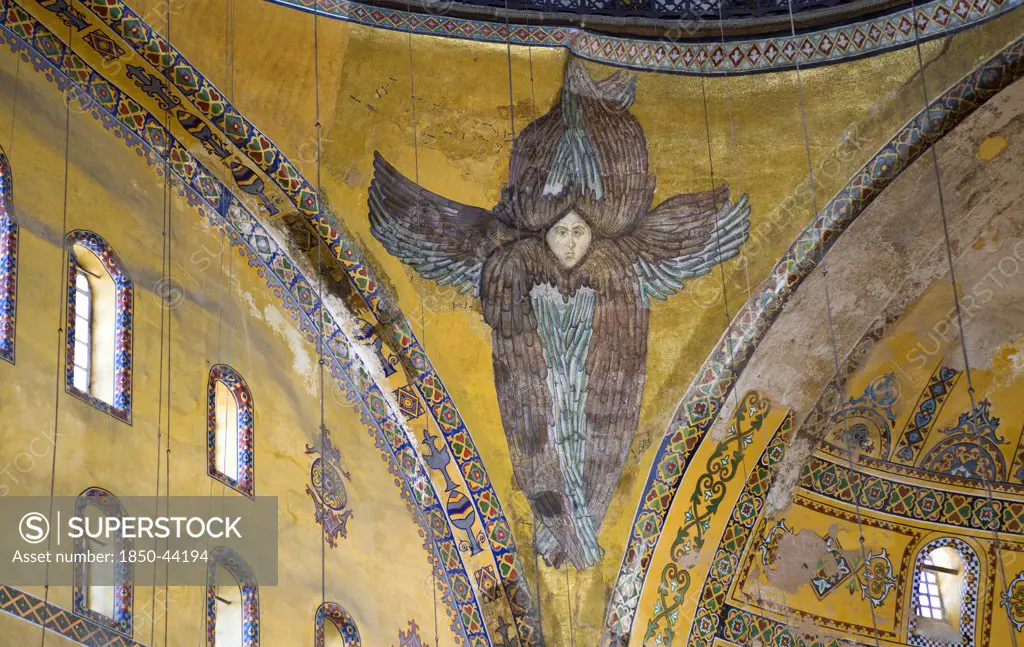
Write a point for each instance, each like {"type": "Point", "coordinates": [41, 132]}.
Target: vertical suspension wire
{"type": "Point", "coordinates": [320, 286]}
{"type": "Point", "coordinates": [947, 238]}
{"type": "Point", "coordinates": [731, 175]}
{"type": "Point", "coordinates": [65, 252]}
{"type": "Point", "coordinates": [170, 325]}
{"type": "Point", "coordinates": [435, 556]}
{"type": "Point", "coordinates": [840, 386]}
{"type": "Point", "coordinates": [165, 316]}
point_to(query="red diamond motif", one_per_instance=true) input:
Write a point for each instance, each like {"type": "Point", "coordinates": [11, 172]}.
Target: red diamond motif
{"type": "Point", "coordinates": [858, 37]}
{"type": "Point", "coordinates": [771, 52]}
{"type": "Point", "coordinates": [890, 31]}
{"type": "Point", "coordinates": [875, 33]}
{"type": "Point", "coordinates": [789, 51]}
{"type": "Point", "coordinates": [941, 15]}
{"type": "Point", "coordinates": [736, 56]}
{"type": "Point", "coordinates": [905, 26]}
{"type": "Point", "coordinates": [807, 48]}
{"type": "Point", "coordinates": [981, 5]}
{"type": "Point", "coordinates": [842, 41]}
{"type": "Point", "coordinates": [825, 46]}
{"type": "Point", "coordinates": [687, 55]}
{"type": "Point", "coordinates": [962, 9]}
{"type": "Point", "coordinates": [754, 55]}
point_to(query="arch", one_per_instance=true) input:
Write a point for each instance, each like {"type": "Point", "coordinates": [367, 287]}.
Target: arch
{"type": "Point", "coordinates": [229, 560]}
{"type": "Point", "coordinates": [223, 382]}
{"type": "Point", "coordinates": [341, 619]}
{"type": "Point", "coordinates": [109, 388]}
{"type": "Point", "coordinates": [8, 262]}
{"type": "Point", "coordinates": [120, 618]}
{"type": "Point", "coordinates": [971, 574]}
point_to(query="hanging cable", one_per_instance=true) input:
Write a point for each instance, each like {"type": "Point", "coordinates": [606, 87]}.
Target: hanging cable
{"type": "Point", "coordinates": [987, 483]}
{"type": "Point", "coordinates": [435, 557]}
{"type": "Point", "coordinates": [61, 320]}
{"type": "Point", "coordinates": [731, 176]}
{"type": "Point", "coordinates": [320, 313]}
{"type": "Point", "coordinates": [840, 387]}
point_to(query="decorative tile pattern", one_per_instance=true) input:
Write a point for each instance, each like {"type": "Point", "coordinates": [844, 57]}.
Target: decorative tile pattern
{"type": "Point", "coordinates": [8, 262]}
{"type": "Point", "coordinates": [1012, 599]}
{"type": "Point", "coordinates": [940, 385]}
{"type": "Point", "coordinates": [232, 563]}
{"type": "Point", "coordinates": [145, 134]}
{"type": "Point", "coordinates": [341, 619]}
{"type": "Point", "coordinates": [818, 47]}
{"type": "Point", "coordinates": [969, 592]}
{"type": "Point", "coordinates": [876, 578]}
{"type": "Point", "coordinates": [411, 638]}
{"type": "Point", "coordinates": [239, 390]}
{"type": "Point", "coordinates": [722, 466]}
{"type": "Point", "coordinates": [716, 377]}
{"type": "Point", "coordinates": [123, 589]}
{"type": "Point", "coordinates": [971, 450]}
{"type": "Point", "coordinates": [327, 489]}
{"type": "Point", "coordinates": [124, 305]}
{"type": "Point", "coordinates": [834, 480]}
{"type": "Point", "coordinates": [738, 532]}
{"type": "Point", "coordinates": [74, 627]}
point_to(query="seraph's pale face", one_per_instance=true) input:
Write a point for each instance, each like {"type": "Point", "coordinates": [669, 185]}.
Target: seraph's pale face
{"type": "Point", "coordinates": [568, 239]}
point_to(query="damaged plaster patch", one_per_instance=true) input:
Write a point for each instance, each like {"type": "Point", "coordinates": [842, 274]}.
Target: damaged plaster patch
{"type": "Point", "coordinates": [799, 559]}
{"type": "Point", "coordinates": [936, 630]}
{"type": "Point", "coordinates": [303, 363]}
{"type": "Point", "coordinates": [780, 496]}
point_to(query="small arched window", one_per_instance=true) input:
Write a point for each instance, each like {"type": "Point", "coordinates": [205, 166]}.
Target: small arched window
{"type": "Point", "coordinates": [229, 430]}
{"type": "Point", "coordinates": [102, 590]}
{"type": "Point", "coordinates": [8, 262]}
{"type": "Point", "coordinates": [944, 594]}
{"type": "Point", "coordinates": [99, 326]}
{"type": "Point", "coordinates": [334, 627]}
{"type": "Point", "coordinates": [232, 601]}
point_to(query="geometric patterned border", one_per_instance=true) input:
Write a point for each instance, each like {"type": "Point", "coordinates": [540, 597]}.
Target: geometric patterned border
{"type": "Point", "coordinates": [832, 480]}
{"type": "Point", "coordinates": [741, 56]}
{"type": "Point", "coordinates": [121, 407]}
{"type": "Point", "coordinates": [8, 262]}
{"type": "Point", "coordinates": [60, 621]}
{"type": "Point", "coordinates": [239, 390]}
{"type": "Point", "coordinates": [141, 131]}
{"type": "Point", "coordinates": [716, 377]}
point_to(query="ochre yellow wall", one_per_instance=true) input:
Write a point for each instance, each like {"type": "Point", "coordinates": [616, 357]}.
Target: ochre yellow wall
{"type": "Point", "coordinates": [463, 134]}
{"type": "Point", "coordinates": [379, 573]}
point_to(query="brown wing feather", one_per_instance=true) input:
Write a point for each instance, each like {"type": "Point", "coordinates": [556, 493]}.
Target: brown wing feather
{"type": "Point", "coordinates": [441, 239]}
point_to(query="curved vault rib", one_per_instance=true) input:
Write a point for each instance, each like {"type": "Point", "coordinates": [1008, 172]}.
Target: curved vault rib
{"type": "Point", "coordinates": [706, 396]}
{"type": "Point", "coordinates": [282, 175]}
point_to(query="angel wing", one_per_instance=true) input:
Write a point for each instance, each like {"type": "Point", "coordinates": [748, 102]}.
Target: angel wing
{"type": "Point", "coordinates": [684, 237]}
{"type": "Point", "coordinates": [443, 240]}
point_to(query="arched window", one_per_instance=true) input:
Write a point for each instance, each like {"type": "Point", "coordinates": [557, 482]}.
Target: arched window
{"type": "Point", "coordinates": [99, 326]}
{"type": "Point", "coordinates": [944, 596]}
{"type": "Point", "coordinates": [232, 601]}
{"type": "Point", "coordinates": [8, 262]}
{"type": "Point", "coordinates": [102, 591]}
{"type": "Point", "coordinates": [229, 430]}
{"type": "Point", "coordinates": [334, 627]}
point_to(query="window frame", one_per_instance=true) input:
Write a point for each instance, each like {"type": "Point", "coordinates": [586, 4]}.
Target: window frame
{"type": "Point", "coordinates": [121, 621]}
{"type": "Point", "coordinates": [8, 263]}
{"type": "Point", "coordinates": [971, 575]}
{"type": "Point", "coordinates": [230, 561]}
{"type": "Point", "coordinates": [245, 484]}
{"type": "Point", "coordinates": [341, 619]}
{"type": "Point", "coordinates": [123, 316]}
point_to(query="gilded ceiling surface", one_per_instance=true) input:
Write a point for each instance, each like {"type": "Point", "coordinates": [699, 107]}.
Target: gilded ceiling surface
{"type": "Point", "coordinates": [544, 278]}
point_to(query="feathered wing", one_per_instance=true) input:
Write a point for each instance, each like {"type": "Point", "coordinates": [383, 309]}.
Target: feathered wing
{"type": "Point", "coordinates": [441, 239]}
{"type": "Point", "coordinates": [684, 237]}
